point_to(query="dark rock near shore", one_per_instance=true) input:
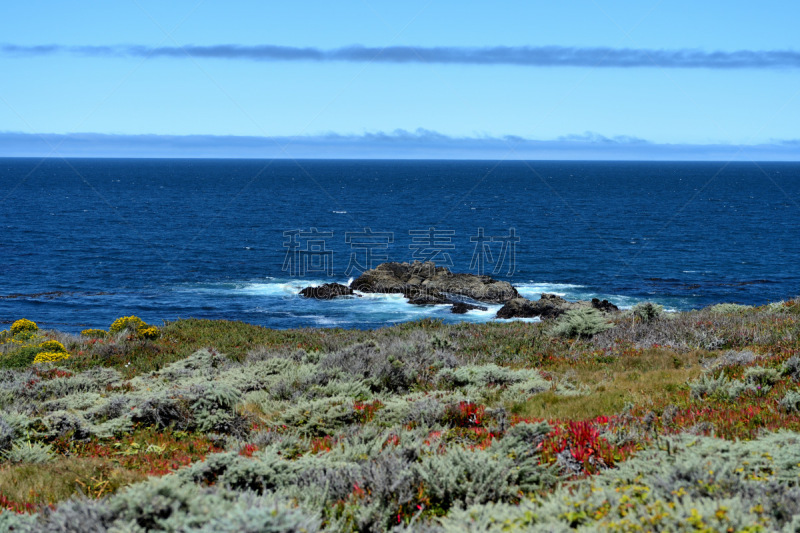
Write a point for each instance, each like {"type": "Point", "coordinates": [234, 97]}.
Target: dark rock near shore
{"type": "Point", "coordinates": [460, 308]}
{"type": "Point", "coordinates": [425, 282]}
{"type": "Point", "coordinates": [427, 298]}
{"type": "Point", "coordinates": [521, 308]}
{"type": "Point", "coordinates": [549, 306]}
{"type": "Point", "coordinates": [327, 291]}
{"type": "Point", "coordinates": [604, 306]}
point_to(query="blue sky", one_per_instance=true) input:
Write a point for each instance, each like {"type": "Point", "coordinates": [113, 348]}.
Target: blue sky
{"type": "Point", "coordinates": [147, 100]}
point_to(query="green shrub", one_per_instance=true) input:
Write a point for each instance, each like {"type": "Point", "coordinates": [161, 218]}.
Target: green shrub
{"type": "Point", "coordinates": [731, 358]}
{"type": "Point", "coordinates": [791, 401]}
{"type": "Point", "coordinates": [19, 523]}
{"type": "Point", "coordinates": [581, 323]}
{"type": "Point", "coordinates": [720, 387]}
{"type": "Point", "coordinates": [24, 325]}
{"type": "Point", "coordinates": [52, 346]}
{"type": "Point", "coordinates": [728, 309]}
{"type": "Point", "coordinates": [462, 477]}
{"type": "Point", "coordinates": [150, 332]}
{"type": "Point", "coordinates": [7, 435]}
{"type": "Point", "coordinates": [20, 357]}
{"type": "Point", "coordinates": [759, 375]}
{"type": "Point", "coordinates": [94, 333]}
{"type": "Point", "coordinates": [129, 323]}
{"type": "Point", "coordinates": [688, 484]}
{"type": "Point", "coordinates": [50, 357]}
{"type": "Point", "coordinates": [28, 452]}
{"type": "Point", "coordinates": [791, 368]}
{"type": "Point", "coordinates": [647, 311]}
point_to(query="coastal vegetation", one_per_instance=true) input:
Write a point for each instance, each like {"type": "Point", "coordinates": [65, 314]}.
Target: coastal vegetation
{"type": "Point", "coordinates": [635, 421]}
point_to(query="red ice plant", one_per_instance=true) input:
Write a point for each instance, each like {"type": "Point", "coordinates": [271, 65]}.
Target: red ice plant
{"type": "Point", "coordinates": [366, 410]}
{"type": "Point", "coordinates": [465, 415]}
{"type": "Point", "coordinates": [582, 440]}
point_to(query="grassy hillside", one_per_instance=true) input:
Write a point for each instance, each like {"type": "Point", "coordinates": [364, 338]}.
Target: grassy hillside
{"type": "Point", "coordinates": [645, 421]}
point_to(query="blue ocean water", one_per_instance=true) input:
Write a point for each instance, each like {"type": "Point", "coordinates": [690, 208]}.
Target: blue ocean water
{"type": "Point", "coordinates": [87, 240]}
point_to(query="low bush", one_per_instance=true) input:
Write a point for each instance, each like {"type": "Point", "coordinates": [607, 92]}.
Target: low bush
{"type": "Point", "coordinates": [50, 357]}
{"type": "Point", "coordinates": [150, 332]}
{"type": "Point", "coordinates": [28, 452]}
{"type": "Point", "coordinates": [94, 333]}
{"type": "Point", "coordinates": [52, 346]}
{"type": "Point", "coordinates": [419, 427]}
{"type": "Point", "coordinates": [647, 311]}
{"type": "Point", "coordinates": [728, 309]}
{"type": "Point", "coordinates": [581, 323]}
{"type": "Point", "coordinates": [19, 357]}
{"type": "Point", "coordinates": [24, 325]}
{"type": "Point", "coordinates": [129, 323]}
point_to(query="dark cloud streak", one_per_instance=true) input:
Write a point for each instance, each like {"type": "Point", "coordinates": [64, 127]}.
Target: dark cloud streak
{"type": "Point", "coordinates": [399, 144]}
{"type": "Point", "coordinates": [543, 56]}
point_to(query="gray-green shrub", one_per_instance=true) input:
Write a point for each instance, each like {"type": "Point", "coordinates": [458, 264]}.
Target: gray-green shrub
{"type": "Point", "coordinates": [791, 401]}
{"type": "Point", "coordinates": [647, 311]}
{"type": "Point", "coordinates": [581, 323]}
{"type": "Point", "coordinates": [28, 452]}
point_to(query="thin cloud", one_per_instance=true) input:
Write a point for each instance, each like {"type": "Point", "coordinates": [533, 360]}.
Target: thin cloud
{"type": "Point", "coordinates": [526, 56]}
{"type": "Point", "coordinates": [398, 144]}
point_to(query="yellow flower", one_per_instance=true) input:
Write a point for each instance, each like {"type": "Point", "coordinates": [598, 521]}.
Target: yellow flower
{"type": "Point", "coordinates": [94, 333]}
{"type": "Point", "coordinates": [23, 324]}
{"type": "Point", "coordinates": [50, 357]}
{"type": "Point", "coordinates": [133, 323]}
{"type": "Point", "coordinates": [52, 346]}
{"type": "Point", "coordinates": [150, 332]}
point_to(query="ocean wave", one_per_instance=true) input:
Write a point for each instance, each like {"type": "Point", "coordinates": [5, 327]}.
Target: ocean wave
{"type": "Point", "coordinates": [279, 302]}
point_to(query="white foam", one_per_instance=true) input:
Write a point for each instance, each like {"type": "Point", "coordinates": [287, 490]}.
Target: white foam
{"type": "Point", "coordinates": [287, 288]}
{"type": "Point", "coordinates": [520, 319]}
{"type": "Point", "coordinates": [532, 290]}
{"type": "Point", "coordinates": [279, 298]}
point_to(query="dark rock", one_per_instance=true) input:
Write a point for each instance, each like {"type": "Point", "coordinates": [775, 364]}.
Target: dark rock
{"type": "Point", "coordinates": [519, 308]}
{"type": "Point", "coordinates": [411, 278]}
{"type": "Point", "coordinates": [327, 291]}
{"type": "Point", "coordinates": [427, 298]}
{"type": "Point", "coordinates": [549, 306]}
{"type": "Point", "coordinates": [460, 308]}
{"type": "Point", "coordinates": [604, 306]}
{"type": "Point", "coordinates": [422, 296]}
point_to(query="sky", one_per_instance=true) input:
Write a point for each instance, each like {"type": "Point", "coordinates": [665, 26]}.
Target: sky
{"type": "Point", "coordinates": [414, 79]}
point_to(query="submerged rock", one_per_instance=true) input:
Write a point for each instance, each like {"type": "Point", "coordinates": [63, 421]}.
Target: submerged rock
{"type": "Point", "coordinates": [327, 291]}
{"type": "Point", "coordinates": [460, 308]}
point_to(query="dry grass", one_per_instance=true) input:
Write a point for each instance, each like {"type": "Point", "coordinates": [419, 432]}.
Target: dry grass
{"type": "Point", "coordinates": [638, 379]}
{"type": "Point", "coordinates": [64, 477]}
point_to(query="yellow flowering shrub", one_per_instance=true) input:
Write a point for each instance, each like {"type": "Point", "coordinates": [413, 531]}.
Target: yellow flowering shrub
{"type": "Point", "coordinates": [23, 325]}
{"type": "Point", "coordinates": [50, 357]}
{"type": "Point", "coordinates": [150, 332]}
{"type": "Point", "coordinates": [133, 323]}
{"type": "Point", "coordinates": [94, 333]}
{"type": "Point", "coordinates": [52, 346]}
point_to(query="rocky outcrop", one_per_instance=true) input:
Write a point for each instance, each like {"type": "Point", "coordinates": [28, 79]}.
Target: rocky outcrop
{"type": "Point", "coordinates": [427, 298]}
{"type": "Point", "coordinates": [327, 291]}
{"type": "Point", "coordinates": [549, 306]}
{"type": "Point", "coordinates": [459, 308]}
{"type": "Point", "coordinates": [425, 283]}
{"type": "Point", "coordinates": [524, 308]}
{"type": "Point", "coordinates": [604, 306]}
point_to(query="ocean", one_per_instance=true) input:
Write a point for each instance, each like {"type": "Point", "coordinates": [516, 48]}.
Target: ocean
{"type": "Point", "coordinates": [85, 241]}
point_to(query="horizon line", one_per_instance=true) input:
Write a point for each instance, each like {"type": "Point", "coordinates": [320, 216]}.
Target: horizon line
{"type": "Point", "coordinates": [397, 145]}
